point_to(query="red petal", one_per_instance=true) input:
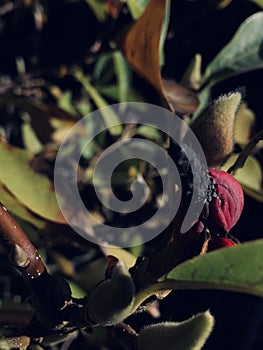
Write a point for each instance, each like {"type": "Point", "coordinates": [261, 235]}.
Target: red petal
{"type": "Point", "coordinates": [220, 242]}
{"type": "Point", "coordinates": [227, 210]}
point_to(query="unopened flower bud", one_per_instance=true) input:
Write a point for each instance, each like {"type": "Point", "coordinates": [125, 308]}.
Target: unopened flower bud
{"type": "Point", "coordinates": [214, 128]}
{"type": "Point", "coordinates": [227, 200]}
{"type": "Point", "coordinates": [111, 301]}
{"type": "Point", "coordinates": [188, 335]}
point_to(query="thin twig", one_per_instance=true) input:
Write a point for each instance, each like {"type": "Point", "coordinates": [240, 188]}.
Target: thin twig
{"type": "Point", "coordinates": [239, 163]}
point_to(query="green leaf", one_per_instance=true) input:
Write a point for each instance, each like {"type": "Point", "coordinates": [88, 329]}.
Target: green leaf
{"type": "Point", "coordinates": [109, 116]}
{"type": "Point", "coordinates": [238, 268]}
{"type": "Point", "coordinates": [203, 97]}
{"type": "Point", "coordinates": [12, 204]}
{"type": "Point", "coordinates": [30, 139]}
{"type": "Point", "coordinates": [151, 133]}
{"type": "Point", "coordinates": [166, 19]}
{"type": "Point", "coordinates": [242, 54]}
{"type": "Point", "coordinates": [137, 7]}
{"type": "Point", "coordinates": [123, 74]}
{"type": "Point", "coordinates": [65, 103]}
{"type": "Point", "coordinates": [122, 254]}
{"type": "Point", "coordinates": [244, 124]}
{"type": "Point", "coordinates": [103, 71]}
{"type": "Point", "coordinates": [98, 9]}
{"type": "Point", "coordinates": [249, 176]}
{"type": "Point", "coordinates": [112, 92]}
{"type": "Point", "coordinates": [258, 2]}
{"type": "Point", "coordinates": [77, 291]}
{"type": "Point", "coordinates": [33, 190]}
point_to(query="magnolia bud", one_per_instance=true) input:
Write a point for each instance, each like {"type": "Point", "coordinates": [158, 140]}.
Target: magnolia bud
{"type": "Point", "coordinates": [188, 335]}
{"type": "Point", "coordinates": [227, 203]}
{"type": "Point", "coordinates": [111, 301]}
{"type": "Point", "coordinates": [214, 128]}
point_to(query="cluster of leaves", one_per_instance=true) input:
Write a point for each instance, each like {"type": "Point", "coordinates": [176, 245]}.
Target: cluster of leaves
{"type": "Point", "coordinates": [44, 89]}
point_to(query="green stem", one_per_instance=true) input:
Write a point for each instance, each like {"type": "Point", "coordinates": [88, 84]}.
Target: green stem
{"type": "Point", "coordinates": [152, 289]}
{"type": "Point", "coordinates": [239, 163]}
{"type": "Point", "coordinates": [109, 116]}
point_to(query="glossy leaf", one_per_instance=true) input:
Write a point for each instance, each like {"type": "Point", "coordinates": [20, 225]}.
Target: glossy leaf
{"type": "Point", "coordinates": [238, 268]}
{"type": "Point", "coordinates": [33, 190]}
{"type": "Point", "coordinates": [242, 54]}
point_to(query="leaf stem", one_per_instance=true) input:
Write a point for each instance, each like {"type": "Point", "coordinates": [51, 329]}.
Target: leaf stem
{"type": "Point", "coordinates": [239, 163]}
{"type": "Point", "coordinates": [169, 284]}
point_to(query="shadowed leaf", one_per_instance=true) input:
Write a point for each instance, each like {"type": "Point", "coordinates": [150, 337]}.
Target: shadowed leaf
{"type": "Point", "coordinates": [242, 54]}
{"type": "Point", "coordinates": [12, 204]}
{"type": "Point", "coordinates": [33, 190]}
{"type": "Point", "coordinates": [142, 46]}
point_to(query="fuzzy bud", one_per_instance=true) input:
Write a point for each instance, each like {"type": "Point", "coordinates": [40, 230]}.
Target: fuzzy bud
{"type": "Point", "coordinates": [111, 300]}
{"type": "Point", "coordinates": [188, 335]}
{"type": "Point", "coordinates": [214, 128]}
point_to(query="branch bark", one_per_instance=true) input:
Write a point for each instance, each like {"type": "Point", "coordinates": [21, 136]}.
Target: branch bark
{"type": "Point", "coordinates": [22, 254]}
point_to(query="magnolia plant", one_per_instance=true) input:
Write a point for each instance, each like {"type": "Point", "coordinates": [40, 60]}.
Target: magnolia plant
{"type": "Point", "coordinates": [125, 290]}
{"type": "Point", "coordinates": [117, 285]}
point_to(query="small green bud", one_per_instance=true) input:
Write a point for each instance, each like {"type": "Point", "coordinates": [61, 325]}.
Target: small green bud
{"type": "Point", "coordinates": [188, 335]}
{"type": "Point", "coordinates": [111, 301]}
{"type": "Point", "coordinates": [214, 128]}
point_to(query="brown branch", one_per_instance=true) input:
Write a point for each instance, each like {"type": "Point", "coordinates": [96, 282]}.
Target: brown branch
{"type": "Point", "coordinates": [22, 254]}
{"type": "Point", "coordinates": [51, 295]}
